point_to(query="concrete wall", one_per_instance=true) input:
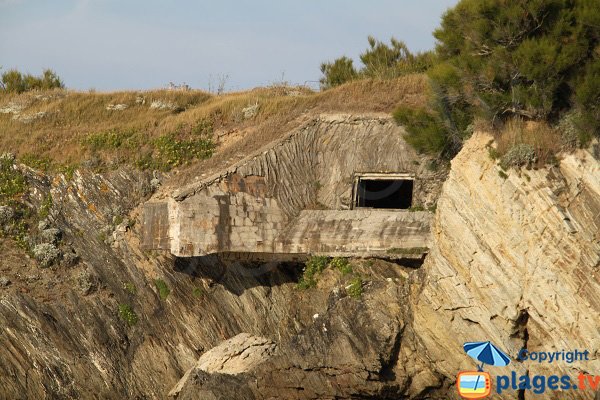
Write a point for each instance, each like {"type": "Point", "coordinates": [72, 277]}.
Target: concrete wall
{"type": "Point", "coordinates": [261, 203]}
{"type": "Point", "coordinates": [219, 219]}
{"type": "Point", "coordinates": [357, 232]}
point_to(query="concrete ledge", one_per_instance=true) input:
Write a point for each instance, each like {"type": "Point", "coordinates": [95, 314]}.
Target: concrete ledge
{"type": "Point", "coordinates": [393, 234]}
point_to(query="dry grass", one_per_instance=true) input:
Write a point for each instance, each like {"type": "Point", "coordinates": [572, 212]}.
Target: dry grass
{"type": "Point", "coordinates": [545, 140]}
{"type": "Point", "coordinates": [71, 117]}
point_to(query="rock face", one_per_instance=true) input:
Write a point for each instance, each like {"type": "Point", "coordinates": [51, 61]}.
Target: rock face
{"type": "Point", "coordinates": [349, 348]}
{"type": "Point", "coordinates": [515, 261]}
{"type": "Point", "coordinates": [237, 355]}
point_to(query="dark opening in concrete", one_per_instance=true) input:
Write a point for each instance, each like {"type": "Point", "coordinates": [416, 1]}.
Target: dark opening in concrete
{"type": "Point", "coordinates": [384, 193]}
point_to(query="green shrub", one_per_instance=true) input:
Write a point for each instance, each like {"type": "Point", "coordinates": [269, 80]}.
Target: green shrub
{"type": "Point", "coordinates": [12, 182]}
{"type": "Point", "coordinates": [341, 264]}
{"type": "Point", "coordinates": [426, 131]}
{"type": "Point", "coordinates": [173, 152]}
{"type": "Point", "coordinates": [314, 266]}
{"type": "Point", "coordinates": [16, 82]}
{"type": "Point", "coordinates": [198, 292]}
{"type": "Point", "coordinates": [13, 186]}
{"type": "Point", "coordinates": [111, 140]}
{"type": "Point", "coordinates": [520, 155]}
{"type": "Point", "coordinates": [380, 61]}
{"type": "Point", "coordinates": [493, 152]}
{"type": "Point", "coordinates": [45, 207]}
{"type": "Point", "coordinates": [130, 287]}
{"type": "Point", "coordinates": [355, 288]}
{"type": "Point", "coordinates": [337, 72]}
{"type": "Point", "coordinates": [203, 127]}
{"type": "Point", "coordinates": [385, 62]}
{"type": "Point", "coordinates": [163, 289]}
{"type": "Point", "coordinates": [168, 151]}
{"type": "Point", "coordinates": [587, 94]}
{"type": "Point", "coordinates": [35, 161]}
{"type": "Point", "coordinates": [527, 59]}
{"type": "Point", "coordinates": [127, 314]}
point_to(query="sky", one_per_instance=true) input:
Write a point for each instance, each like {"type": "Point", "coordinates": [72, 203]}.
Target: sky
{"type": "Point", "coordinates": [130, 44]}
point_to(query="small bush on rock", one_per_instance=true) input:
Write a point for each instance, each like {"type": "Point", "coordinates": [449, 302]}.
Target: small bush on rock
{"type": "Point", "coordinates": [127, 314]}
{"type": "Point", "coordinates": [163, 289]}
{"type": "Point", "coordinates": [520, 155]}
{"type": "Point", "coordinates": [341, 264]}
{"type": "Point", "coordinates": [46, 254]}
{"type": "Point", "coordinates": [50, 235]}
{"type": "Point", "coordinates": [313, 266]}
{"type": "Point", "coordinates": [6, 214]}
{"type": "Point", "coordinates": [355, 289]}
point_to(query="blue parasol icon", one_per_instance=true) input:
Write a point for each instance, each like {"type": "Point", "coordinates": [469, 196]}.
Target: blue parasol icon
{"type": "Point", "coordinates": [486, 353]}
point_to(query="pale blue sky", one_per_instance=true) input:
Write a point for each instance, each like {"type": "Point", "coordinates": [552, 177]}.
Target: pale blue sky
{"type": "Point", "coordinates": [134, 44]}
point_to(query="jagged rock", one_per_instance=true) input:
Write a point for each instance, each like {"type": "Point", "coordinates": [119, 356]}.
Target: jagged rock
{"type": "Point", "coordinates": [513, 261]}
{"type": "Point", "coordinates": [4, 281]}
{"type": "Point", "coordinates": [237, 355]}
{"type": "Point", "coordinates": [116, 107]}
{"type": "Point", "coordinates": [250, 111]}
{"type": "Point", "coordinates": [215, 386]}
{"type": "Point", "coordinates": [69, 259]}
{"type": "Point", "coordinates": [510, 259]}
{"type": "Point", "coordinates": [162, 105]}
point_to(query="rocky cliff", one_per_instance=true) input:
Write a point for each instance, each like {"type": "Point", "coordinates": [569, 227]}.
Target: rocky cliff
{"type": "Point", "coordinates": [516, 261]}
{"type": "Point", "coordinates": [513, 260]}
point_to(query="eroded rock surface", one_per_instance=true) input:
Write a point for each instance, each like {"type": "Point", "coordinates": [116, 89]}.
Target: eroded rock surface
{"type": "Point", "coordinates": [238, 355]}
{"type": "Point", "coordinates": [514, 261]}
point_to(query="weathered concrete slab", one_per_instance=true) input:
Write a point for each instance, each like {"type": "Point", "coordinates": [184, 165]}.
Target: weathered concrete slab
{"type": "Point", "coordinates": [155, 235]}
{"type": "Point", "coordinates": [357, 232]}
{"type": "Point", "coordinates": [223, 219]}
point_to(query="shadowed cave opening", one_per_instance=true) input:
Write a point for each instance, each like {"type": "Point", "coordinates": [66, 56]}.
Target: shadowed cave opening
{"type": "Point", "coordinates": [384, 193]}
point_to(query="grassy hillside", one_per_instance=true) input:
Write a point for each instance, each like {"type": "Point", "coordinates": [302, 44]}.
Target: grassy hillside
{"type": "Point", "coordinates": [64, 130]}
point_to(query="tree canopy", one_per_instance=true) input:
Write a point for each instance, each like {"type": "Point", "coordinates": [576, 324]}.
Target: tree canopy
{"type": "Point", "coordinates": [536, 60]}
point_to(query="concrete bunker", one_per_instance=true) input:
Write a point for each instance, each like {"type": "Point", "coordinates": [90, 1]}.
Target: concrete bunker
{"type": "Point", "coordinates": [313, 191]}
{"type": "Point", "coordinates": [383, 191]}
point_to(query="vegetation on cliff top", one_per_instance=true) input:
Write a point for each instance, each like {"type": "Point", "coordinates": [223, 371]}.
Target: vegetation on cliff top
{"type": "Point", "coordinates": [60, 130]}
{"type": "Point", "coordinates": [14, 81]}
{"type": "Point", "coordinates": [380, 61]}
{"type": "Point", "coordinates": [526, 66]}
